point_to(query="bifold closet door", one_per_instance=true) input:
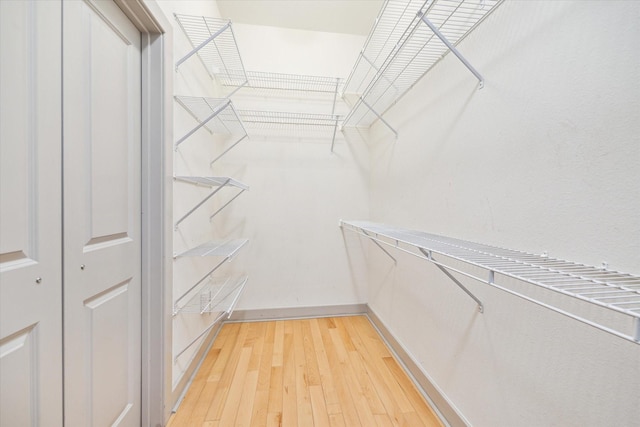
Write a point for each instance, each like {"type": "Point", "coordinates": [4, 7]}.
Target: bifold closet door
{"type": "Point", "coordinates": [101, 146]}
{"type": "Point", "coordinates": [30, 214]}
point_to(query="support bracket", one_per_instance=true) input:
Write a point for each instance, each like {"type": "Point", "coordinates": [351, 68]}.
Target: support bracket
{"type": "Point", "coordinates": [453, 279]}
{"type": "Point", "coordinates": [204, 122]}
{"type": "Point", "coordinates": [379, 117]}
{"type": "Point", "coordinates": [395, 261]}
{"type": "Point", "coordinates": [452, 48]}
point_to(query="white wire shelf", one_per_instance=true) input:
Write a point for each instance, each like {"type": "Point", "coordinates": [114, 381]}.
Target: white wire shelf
{"type": "Point", "coordinates": [220, 296]}
{"type": "Point", "coordinates": [431, 33]}
{"type": "Point", "coordinates": [604, 289]}
{"type": "Point", "coordinates": [216, 115]}
{"type": "Point", "coordinates": [212, 181]}
{"type": "Point", "coordinates": [281, 119]}
{"type": "Point", "coordinates": [305, 122]}
{"type": "Point", "coordinates": [394, 18]}
{"type": "Point", "coordinates": [216, 182]}
{"type": "Point", "coordinates": [215, 44]}
{"type": "Point", "coordinates": [212, 295]}
{"type": "Point", "coordinates": [227, 249]}
{"type": "Point", "coordinates": [291, 82]}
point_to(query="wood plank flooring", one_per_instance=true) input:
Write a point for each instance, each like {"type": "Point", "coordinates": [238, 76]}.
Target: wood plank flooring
{"type": "Point", "coordinates": [328, 372]}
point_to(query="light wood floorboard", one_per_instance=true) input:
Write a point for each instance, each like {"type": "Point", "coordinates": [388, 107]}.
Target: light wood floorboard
{"type": "Point", "coordinates": [327, 372]}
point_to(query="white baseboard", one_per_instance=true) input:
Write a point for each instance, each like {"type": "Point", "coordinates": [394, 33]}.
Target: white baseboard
{"type": "Point", "coordinates": [298, 312]}
{"type": "Point", "coordinates": [446, 410]}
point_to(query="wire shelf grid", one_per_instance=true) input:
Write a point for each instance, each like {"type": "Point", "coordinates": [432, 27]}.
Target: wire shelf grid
{"type": "Point", "coordinates": [290, 82]}
{"type": "Point", "coordinates": [416, 51]}
{"type": "Point", "coordinates": [281, 119]}
{"type": "Point", "coordinates": [210, 298]}
{"type": "Point", "coordinates": [216, 115]}
{"type": "Point", "coordinates": [612, 290]}
{"type": "Point", "coordinates": [393, 19]}
{"type": "Point", "coordinates": [215, 44]}
{"type": "Point", "coordinates": [212, 181]}
{"type": "Point", "coordinates": [226, 248]}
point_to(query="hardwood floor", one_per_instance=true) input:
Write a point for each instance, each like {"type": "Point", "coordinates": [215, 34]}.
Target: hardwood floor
{"type": "Point", "coordinates": [333, 372]}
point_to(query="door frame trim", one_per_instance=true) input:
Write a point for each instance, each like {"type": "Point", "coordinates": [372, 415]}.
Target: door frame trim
{"type": "Point", "coordinates": [156, 202]}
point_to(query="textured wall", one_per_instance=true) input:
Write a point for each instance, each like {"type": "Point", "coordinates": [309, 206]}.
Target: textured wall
{"type": "Point", "coordinates": [544, 158]}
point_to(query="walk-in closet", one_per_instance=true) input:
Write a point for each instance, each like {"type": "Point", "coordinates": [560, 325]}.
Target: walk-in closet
{"type": "Point", "coordinates": [319, 213]}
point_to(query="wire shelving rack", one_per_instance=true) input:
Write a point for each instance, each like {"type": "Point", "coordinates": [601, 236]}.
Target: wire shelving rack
{"type": "Point", "coordinates": [214, 42]}
{"type": "Point", "coordinates": [291, 82]}
{"type": "Point", "coordinates": [217, 183]}
{"type": "Point", "coordinates": [211, 299]}
{"type": "Point", "coordinates": [614, 292]}
{"type": "Point", "coordinates": [432, 32]}
{"type": "Point", "coordinates": [217, 116]}
{"type": "Point", "coordinates": [328, 123]}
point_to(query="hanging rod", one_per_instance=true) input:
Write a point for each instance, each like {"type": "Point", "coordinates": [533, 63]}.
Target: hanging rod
{"type": "Point", "coordinates": [219, 182]}
{"type": "Point", "coordinates": [606, 289]}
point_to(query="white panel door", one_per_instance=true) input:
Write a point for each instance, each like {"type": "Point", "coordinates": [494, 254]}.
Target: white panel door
{"type": "Point", "coordinates": [30, 214]}
{"type": "Point", "coordinates": [101, 146]}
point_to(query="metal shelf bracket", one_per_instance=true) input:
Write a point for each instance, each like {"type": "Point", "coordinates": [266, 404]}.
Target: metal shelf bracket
{"type": "Point", "coordinates": [378, 116]}
{"type": "Point", "coordinates": [452, 48]}
{"type": "Point", "coordinates": [453, 279]}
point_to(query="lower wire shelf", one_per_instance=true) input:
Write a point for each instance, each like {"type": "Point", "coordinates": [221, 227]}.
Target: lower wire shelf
{"type": "Point", "coordinates": [609, 292]}
{"type": "Point", "coordinates": [218, 296]}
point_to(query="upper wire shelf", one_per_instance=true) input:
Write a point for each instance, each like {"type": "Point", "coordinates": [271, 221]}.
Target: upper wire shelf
{"type": "Point", "coordinates": [215, 44]}
{"type": "Point", "coordinates": [291, 82]}
{"type": "Point", "coordinates": [431, 33]}
{"type": "Point", "coordinates": [394, 18]}
{"type": "Point", "coordinates": [611, 290]}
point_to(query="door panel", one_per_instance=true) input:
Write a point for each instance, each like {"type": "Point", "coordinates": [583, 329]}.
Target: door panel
{"type": "Point", "coordinates": [101, 57]}
{"type": "Point", "coordinates": [30, 214]}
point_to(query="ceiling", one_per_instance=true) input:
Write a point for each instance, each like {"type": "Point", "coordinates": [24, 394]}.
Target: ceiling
{"type": "Point", "coordinates": [334, 16]}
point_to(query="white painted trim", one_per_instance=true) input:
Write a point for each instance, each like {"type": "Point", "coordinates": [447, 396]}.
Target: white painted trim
{"type": "Point", "coordinates": [156, 278]}
{"type": "Point", "coordinates": [444, 408]}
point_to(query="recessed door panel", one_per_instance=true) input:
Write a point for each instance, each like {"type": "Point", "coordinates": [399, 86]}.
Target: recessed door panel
{"type": "Point", "coordinates": [17, 132]}
{"type": "Point", "coordinates": [109, 142]}
{"type": "Point", "coordinates": [19, 379]}
{"type": "Point", "coordinates": [108, 359]}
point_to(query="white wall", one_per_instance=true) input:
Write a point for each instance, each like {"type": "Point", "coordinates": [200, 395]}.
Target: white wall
{"type": "Point", "coordinates": [299, 189]}
{"type": "Point", "coordinates": [545, 158]}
